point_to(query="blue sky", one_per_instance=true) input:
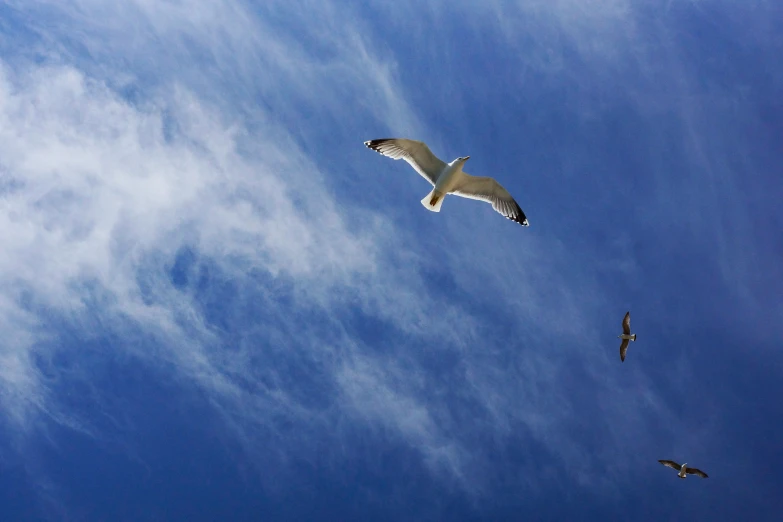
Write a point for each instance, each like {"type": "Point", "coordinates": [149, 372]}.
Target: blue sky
{"type": "Point", "coordinates": [217, 304]}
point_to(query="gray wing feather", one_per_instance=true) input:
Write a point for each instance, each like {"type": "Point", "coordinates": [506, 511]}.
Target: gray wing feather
{"type": "Point", "coordinates": [670, 464]}
{"type": "Point", "coordinates": [697, 472]}
{"type": "Point", "coordinates": [490, 191]}
{"type": "Point", "coordinates": [416, 153]}
{"type": "Point", "coordinates": [627, 324]}
{"type": "Point", "coordinates": [623, 349]}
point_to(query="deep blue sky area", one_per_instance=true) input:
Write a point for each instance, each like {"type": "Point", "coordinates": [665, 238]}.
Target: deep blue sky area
{"type": "Point", "coordinates": [217, 304]}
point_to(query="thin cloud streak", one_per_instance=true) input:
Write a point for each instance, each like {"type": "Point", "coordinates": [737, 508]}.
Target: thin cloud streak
{"type": "Point", "coordinates": [118, 194]}
{"type": "Point", "coordinates": [114, 166]}
{"type": "Point", "coordinates": [143, 187]}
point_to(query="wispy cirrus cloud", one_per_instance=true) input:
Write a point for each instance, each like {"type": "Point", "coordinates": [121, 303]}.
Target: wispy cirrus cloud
{"type": "Point", "coordinates": [177, 171]}
{"type": "Point", "coordinates": [104, 194]}
{"type": "Point", "coordinates": [111, 189]}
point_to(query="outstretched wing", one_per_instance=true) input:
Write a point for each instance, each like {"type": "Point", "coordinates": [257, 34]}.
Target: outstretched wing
{"type": "Point", "coordinates": [627, 324]}
{"type": "Point", "coordinates": [697, 472]}
{"type": "Point", "coordinates": [623, 349]}
{"type": "Point", "coordinates": [416, 153]}
{"type": "Point", "coordinates": [490, 191]}
{"type": "Point", "coordinates": [670, 464]}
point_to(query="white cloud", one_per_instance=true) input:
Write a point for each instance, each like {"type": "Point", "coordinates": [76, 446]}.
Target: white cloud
{"type": "Point", "coordinates": [100, 194]}
{"type": "Point", "coordinates": [97, 194]}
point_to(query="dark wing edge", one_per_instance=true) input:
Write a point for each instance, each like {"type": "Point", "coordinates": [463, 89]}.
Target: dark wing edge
{"type": "Point", "coordinates": [400, 152]}
{"type": "Point", "coordinates": [697, 472]}
{"type": "Point", "coordinates": [376, 144]}
{"type": "Point", "coordinates": [623, 349]}
{"type": "Point", "coordinates": [627, 323]}
{"type": "Point", "coordinates": [493, 193]}
{"type": "Point", "coordinates": [670, 464]}
{"type": "Point", "coordinates": [519, 216]}
{"type": "Point", "coordinates": [510, 210]}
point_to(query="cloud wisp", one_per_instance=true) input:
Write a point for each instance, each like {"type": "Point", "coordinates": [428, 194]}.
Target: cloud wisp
{"type": "Point", "coordinates": [191, 206]}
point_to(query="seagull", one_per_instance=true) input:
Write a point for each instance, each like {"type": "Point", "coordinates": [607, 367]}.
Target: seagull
{"type": "Point", "coordinates": [449, 178]}
{"type": "Point", "coordinates": [683, 469]}
{"type": "Point", "coordinates": [626, 336]}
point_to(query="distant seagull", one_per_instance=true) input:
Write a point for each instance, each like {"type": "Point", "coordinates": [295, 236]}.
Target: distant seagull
{"type": "Point", "coordinates": [683, 469]}
{"type": "Point", "coordinates": [626, 336]}
{"type": "Point", "coordinates": [449, 178]}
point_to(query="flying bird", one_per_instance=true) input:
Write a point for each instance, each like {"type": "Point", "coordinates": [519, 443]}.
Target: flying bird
{"type": "Point", "coordinates": [448, 178]}
{"type": "Point", "coordinates": [626, 336]}
{"type": "Point", "coordinates": [683, 469]}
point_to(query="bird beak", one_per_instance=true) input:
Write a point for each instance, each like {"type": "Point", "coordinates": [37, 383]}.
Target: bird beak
{"type": "Point", "coordinates": [466, 158]}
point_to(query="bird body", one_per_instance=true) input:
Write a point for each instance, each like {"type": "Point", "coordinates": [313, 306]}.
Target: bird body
{"type": "Point", "coordinates": [449, 178]}
{"type": "Point", "coordinates": [626, 336]}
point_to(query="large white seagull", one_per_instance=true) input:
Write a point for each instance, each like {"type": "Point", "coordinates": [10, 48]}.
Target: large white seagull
{"type": "Point", "coordinates": [449, 178]}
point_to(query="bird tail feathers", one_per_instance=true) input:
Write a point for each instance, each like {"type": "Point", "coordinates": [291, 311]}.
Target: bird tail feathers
{"type": "Point", "coordinates": [433, 201]}
{"type": "Point", "coordinates": [634, 337]}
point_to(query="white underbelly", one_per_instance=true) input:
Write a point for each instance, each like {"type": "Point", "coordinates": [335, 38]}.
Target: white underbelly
{"type": "Point", "coordinates": [447, 180]}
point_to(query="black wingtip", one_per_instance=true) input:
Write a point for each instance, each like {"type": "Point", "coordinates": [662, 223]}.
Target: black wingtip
{"type": "Point", "coordinates": [371, 144]}
{"type": "Point", "coordinates": [520, 218]}
{"type": "Point", "coordinates": [375, 144]}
